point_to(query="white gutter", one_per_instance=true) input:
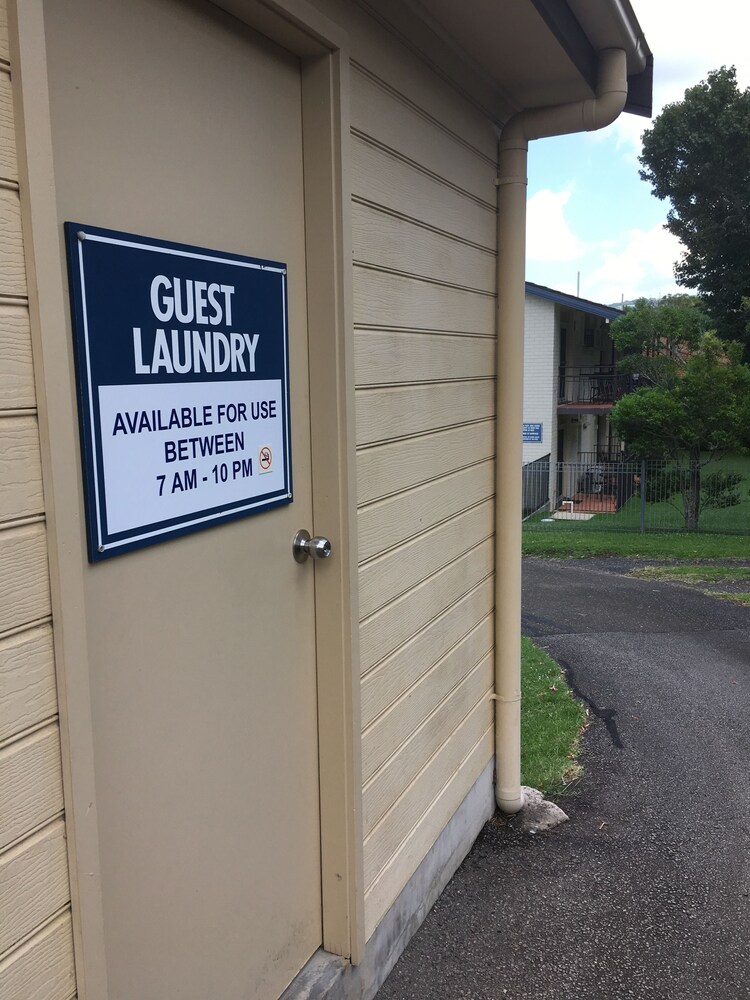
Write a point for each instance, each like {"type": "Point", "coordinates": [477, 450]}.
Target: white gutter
{"type": "Point", "coordinates": [533, 123]}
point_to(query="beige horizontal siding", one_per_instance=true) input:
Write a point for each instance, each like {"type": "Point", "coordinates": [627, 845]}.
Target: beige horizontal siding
{"type": "Point", "coordinates": [390, 522]}
{"type": "Point", "coordinates": [383, 358]}
{"type": "Point", "coordinates": [386, 116]}
{"type": "Point", "coordinates": [24, 579]}
{"type": "Point", "coordinates": [382, 239]}
{"type": "Point", "coordinates": [392, 626]}
{"type": "Point", "coordinates": [20, 468]}
{"type": "Point", "coordinates": [380, 178]}
{"type": "Point", "coordinates": [16, 367]}
{"type": "Point", "coordinates": [3, 31]}
{"type": "Point", "coordinates": [424, 282]}
{"type": "Point", "coordinates": [409, 853]}
{"type": "Point", "coordinates": [30, 783]}
{"type": "Point", "coordinates": [396, 675]}
{"type": "Point", "coordinates": [13, 270]}
{"type": "Point", "coordinates": [27, 681]}
{"type": "Point", "coordinates": [391, 729]}
{"type": "Point", "coordinates": [378, 52]}
{"type": "Point", "coordinates": [400, 821]}
{"type": "Point", "coordinates": [395, 300]}
{"type": "Point", "coordinates": [387, 414]}
{"type": "Point", "coordinates": [8, 165]}
{"type": "Point", "coordinates": [404, 765]}
{"type": "Point", "coordinates": [385, 578]}
{"type": "Point", "coordinates": [36, 945]}
{"type": "Point", "coordinates": [389, 468]}
{"type": "Point", "coordinates": [33, 883]}
{"type": "Point", "coordinates": [42, 968]}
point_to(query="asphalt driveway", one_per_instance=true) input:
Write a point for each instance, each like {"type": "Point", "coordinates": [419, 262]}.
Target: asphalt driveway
{"type": "Point", "coordinates": [645, 892]}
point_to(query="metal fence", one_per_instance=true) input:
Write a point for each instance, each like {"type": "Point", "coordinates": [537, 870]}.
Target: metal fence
{"type": "Point", "coordinates": [536, 486]}
{"type": "Point", "coordinates": [652, 495]}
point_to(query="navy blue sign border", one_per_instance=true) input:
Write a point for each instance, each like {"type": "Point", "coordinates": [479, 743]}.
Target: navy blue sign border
{"type": "Point", "coordinates": [533, 433]}
{"type": "Point", "coordinates": [101, 543]}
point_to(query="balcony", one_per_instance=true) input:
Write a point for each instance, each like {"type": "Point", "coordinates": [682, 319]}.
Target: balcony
{"type": "Point", "coordinates": [592, 389]}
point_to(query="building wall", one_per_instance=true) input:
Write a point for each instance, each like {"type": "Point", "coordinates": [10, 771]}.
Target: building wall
{"type": "Point", "coordinates": [589, 433]}
{"type": "Point", "coordinates": [36, 948]}
{"type": "Point", "coordinates": [580, 355]}
{"type": "Point", "coordinates": [586, 432]}
{"type": "Point", "coordinates": [423, 209]}
{"type": "Point", "coordinates": [540, 375]}
{"type": "Point", "coordinates": [423, 168]}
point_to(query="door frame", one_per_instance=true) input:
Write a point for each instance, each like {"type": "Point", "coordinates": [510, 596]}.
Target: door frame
{"type": "Point", "coordinates": [322, 48]}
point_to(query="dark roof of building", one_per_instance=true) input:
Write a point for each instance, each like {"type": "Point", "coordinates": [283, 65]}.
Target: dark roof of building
{"type": "Point", "coordinates": [572, 301]}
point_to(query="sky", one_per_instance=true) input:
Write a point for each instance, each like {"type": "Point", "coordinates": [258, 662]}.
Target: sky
{"type": "Point", "coordinates": [593, 226]}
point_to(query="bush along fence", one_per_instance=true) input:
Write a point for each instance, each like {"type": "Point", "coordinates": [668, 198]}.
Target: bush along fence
{"type": "Point", "coordinates": [639, 495]}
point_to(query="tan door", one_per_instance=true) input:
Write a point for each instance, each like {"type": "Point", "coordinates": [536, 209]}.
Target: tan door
{"type": "Point", "coordinates": [175, 121]}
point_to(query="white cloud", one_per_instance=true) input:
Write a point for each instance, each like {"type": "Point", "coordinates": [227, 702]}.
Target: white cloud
{"type": "Point", "coordinates": [641, 264]}
{"type": "Point", "coordinates": [688, 40]}
{"type": "Point", "coordinates": [548, 234]}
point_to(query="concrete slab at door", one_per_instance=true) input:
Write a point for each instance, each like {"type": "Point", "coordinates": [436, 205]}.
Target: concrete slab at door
{"type": "Point", "coordinates": [175, 121]}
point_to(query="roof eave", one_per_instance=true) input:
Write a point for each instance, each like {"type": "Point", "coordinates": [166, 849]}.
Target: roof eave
{"type": "Point", "coordinates": [583, 27]}
{"type": "Point", "coordinates": [573, 301]}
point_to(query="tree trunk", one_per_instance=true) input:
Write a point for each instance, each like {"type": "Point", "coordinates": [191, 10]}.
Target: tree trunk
{"type": "Point", "coordinates": [692, 494]}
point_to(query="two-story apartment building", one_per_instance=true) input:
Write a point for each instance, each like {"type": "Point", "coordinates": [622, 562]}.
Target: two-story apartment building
{"type": "Point", "coordinates": [571, 380]}
{"type": "Point", "coordinates": [571, 383]}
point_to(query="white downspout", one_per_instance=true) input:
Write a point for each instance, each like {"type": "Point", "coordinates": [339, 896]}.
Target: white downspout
{"type": "Point", "coordinates": [535, 123]}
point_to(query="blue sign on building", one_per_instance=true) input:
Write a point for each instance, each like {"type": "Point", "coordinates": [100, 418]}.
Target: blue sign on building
{"type": "Point", "coordinates": [183, 386]}
{"type": "Point", "coordinates": [532, 433]}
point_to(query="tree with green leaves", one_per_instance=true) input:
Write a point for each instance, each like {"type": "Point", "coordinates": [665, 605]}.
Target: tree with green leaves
{"type": "Point", "coordinates": [699, 412]}
{"type": "Point", "coordinates": [697, 155]}
{"type": "Point", "coordinates": [654, 334]}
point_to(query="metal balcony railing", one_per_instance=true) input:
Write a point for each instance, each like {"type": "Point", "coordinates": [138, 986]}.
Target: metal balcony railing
{"type": "Point", "coordinates": [612, 453]}
{"type": "Point", "coordinates": [601, 384]}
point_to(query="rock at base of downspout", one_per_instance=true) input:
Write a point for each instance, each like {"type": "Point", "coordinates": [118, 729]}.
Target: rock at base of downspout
{"type": "Point", "coordinates": [538, 814]}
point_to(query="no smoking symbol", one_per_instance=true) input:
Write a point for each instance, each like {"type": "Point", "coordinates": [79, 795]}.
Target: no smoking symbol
{"type": "Point", "coordinates": [265, 458]}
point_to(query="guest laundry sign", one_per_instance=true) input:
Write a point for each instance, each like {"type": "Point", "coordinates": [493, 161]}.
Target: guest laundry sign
{"type": "Point", "coordinates": [183, 385]}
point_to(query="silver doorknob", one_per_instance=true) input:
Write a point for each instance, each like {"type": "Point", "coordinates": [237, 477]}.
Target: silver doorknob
{"type": "Point", "coordinates": [315, 548]}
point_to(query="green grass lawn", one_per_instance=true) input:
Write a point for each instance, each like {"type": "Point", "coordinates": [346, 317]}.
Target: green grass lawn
{"type": "Point", "coordinates": [695, 574]}
{"type": "Point", "coordinates": [570, 540]}
{"type": "Point", "coordinates": [552, 721]}
{"type": "Point", "coordinates": [743, 599]}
